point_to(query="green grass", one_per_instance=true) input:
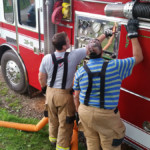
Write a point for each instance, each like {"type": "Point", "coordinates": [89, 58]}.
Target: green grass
{"type": "Point", "coordinates": [4, 91]}
{"type": "Point", "coordinates": [12, 139]}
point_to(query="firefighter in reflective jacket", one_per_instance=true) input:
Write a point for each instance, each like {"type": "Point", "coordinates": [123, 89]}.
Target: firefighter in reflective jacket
{"type": "Point", "coordinates": [98, 84]}
{"type": "Point", "coordinates": [57, 72]}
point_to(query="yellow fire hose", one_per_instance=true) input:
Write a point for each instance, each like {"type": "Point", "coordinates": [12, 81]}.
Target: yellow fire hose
{"type": "Point", "coordinates": [39, 126]}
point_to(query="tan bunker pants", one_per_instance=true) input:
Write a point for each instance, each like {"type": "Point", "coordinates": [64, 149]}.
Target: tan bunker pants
{"type": "Point", "coordinates": [60, 106]}
{"type": "Point", "coordinates": [102, 128]}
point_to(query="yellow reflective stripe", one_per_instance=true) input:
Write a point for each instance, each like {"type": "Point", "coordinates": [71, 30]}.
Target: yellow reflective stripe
{"type": "Point", "coordinates": [52, 139]}
{"type": "Point", "coordinates": [61, 148]}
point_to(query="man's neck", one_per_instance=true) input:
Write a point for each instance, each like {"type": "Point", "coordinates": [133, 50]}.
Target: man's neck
{"type": "Point", "coordinates": [60, 51]}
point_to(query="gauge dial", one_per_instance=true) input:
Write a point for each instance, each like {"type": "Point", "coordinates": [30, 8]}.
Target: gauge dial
{"type": "Point", "coordinates": [80, 45]}
{"type": "Point", "coordinates": [80, 30]}
{"type": "Point", "coordinates": [85, 32]}
{"type": "Point", "coordinates": [96, 27]}
{"type": "Point", "coordinates": [80, 23]}
{"type": "Point", "coordinates": [85, 24]}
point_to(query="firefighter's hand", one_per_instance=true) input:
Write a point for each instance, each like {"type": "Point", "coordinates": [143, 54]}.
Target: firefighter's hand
{"type": "Point", "coordinates": [44, 90]}
{"type": "Point", "coordinates": [77, 117]}
{"type": "Point", "coordinates": [108, 32]}
{"type": "Point", "coordinates": [132, 28]}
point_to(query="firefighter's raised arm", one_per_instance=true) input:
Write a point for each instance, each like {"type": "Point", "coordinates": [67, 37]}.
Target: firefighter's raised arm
{"type": "Point", "coordinates": [132, 29]}
{"type": "Point", "coordinates": [107, 33]}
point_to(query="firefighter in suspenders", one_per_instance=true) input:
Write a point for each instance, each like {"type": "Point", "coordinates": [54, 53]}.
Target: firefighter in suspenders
{"type": "Point", "coordinates": [97, 88]}
{"type": "Point", "coordinates": [56, 72]}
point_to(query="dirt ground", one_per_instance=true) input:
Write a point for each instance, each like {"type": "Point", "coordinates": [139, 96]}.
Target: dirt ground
{"type": "Point", "coordinates": [33, 107]}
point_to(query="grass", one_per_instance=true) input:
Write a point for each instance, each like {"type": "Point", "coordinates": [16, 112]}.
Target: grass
{"type": "Point", "coordinates": [12, 139]}
{"type": "Point", "coordinates": [4, 91]}
{"type": "Point", "coordinates": [11, 99]}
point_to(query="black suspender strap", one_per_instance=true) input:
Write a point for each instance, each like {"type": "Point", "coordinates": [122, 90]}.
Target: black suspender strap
{"type": "Point", "coordinates": [56, 62]}
{"type": "Point", "coordinates": [102, 86]}
{"type": "Point", "coordinates": [54, 71]}
{"type": "Point", "coordinates": [89, 89]}
{"type": "Point", "coordinates": [65, 70]}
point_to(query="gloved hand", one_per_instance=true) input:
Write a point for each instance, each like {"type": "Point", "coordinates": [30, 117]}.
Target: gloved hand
{"type": "Point", "coordinates": [108, 32]}
{"type": "Point", "coordinates": [77, 117]}
{"type": "Point", "coordinates": [44, 89]}
{"type": "Point", "coordinates": [132, 28]}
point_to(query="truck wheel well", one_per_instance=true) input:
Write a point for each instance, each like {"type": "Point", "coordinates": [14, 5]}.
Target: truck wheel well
{"type": "Point", "coordinates": [3, 49]}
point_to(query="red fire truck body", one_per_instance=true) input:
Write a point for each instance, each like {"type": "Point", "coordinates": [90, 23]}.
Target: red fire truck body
{"type": "Point", "coordinates": [26, 29]}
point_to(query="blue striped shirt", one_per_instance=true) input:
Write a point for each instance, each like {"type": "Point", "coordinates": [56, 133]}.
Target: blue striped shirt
{"type": "Point", "coordinates": [116, 71]}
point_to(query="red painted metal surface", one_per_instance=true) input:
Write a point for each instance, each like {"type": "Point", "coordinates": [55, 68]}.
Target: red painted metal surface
{"type": "Point", "coordinates": [139, 81]}
{"type": "Point", "coordinates": [132, 108]}
{"type": "Point", "coordinates": [32, 63]}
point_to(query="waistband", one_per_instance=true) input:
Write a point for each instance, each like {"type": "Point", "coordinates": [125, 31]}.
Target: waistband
{"type": "Point", "coordinates": [100, 110]}
{"type": "Point", "coordinates": [62, 91]}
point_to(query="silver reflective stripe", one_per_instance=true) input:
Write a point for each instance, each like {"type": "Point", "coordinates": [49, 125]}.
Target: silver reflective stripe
{"type": "Point", "coordinates": [101, 2]}
{"type": "Point", "coordinates": [138, 95]}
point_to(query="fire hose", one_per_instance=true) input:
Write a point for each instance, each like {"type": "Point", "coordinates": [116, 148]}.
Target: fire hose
{"type": "Point", "coordinates": [129, 10]}
{"type": "Point", "coordinates": [60, 10]}
{"type": "Point", "coordinates": [57, 12]}
{"type": "Point", "coordinates": [39, 126]}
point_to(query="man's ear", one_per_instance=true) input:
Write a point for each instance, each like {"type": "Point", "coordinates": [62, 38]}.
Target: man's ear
{"type": "Point", "coordinates": [64, 47]}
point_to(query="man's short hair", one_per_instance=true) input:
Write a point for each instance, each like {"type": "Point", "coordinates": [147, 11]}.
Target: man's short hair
{"type": "Point", "coordinates": [94, 48]}
{"type": "Point", "coordinates": [59, 39]}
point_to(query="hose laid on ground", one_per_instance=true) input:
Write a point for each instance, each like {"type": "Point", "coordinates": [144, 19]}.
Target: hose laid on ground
{"type": "Point", "coordinates": [25, 127]}
{"type": "Point", "coordinates": [39, 126]}
{"type": "Point", "coordinates": [74, 141]}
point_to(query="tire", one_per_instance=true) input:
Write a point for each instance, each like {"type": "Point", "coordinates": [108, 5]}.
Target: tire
{"type": "Point", "coordinates": [13, 72]}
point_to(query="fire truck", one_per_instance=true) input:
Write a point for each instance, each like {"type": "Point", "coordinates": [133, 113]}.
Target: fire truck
{"type": "Point", "coordinates": [26, 29]}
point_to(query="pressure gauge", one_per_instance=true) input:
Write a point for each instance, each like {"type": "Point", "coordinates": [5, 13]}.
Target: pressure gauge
{"type": "Point", "coordinates": [80, 30]}
{"type": "Point", "coordinates": [85, 32]}
{"type": "Point", "coordinates": [96, 27]}
{"type": "Point", "coordinates": [85, 24]}
{"type": "Point", "coordinates": [80, 23]}
{"type": "Point", "coordinates": [80, 45]}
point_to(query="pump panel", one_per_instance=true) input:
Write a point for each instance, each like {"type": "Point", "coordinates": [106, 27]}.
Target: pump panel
{"type": "Point", "coordinates": [89, 26]}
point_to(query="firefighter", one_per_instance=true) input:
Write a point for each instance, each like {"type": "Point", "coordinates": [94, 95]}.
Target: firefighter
{"type": "Point", "coordinates": [97, 88]}
{"type": "Point", "coordinates": [57, 72]}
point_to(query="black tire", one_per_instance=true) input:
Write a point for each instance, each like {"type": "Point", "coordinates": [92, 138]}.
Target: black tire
{"type": "Point", "coordinates": [13, 72]}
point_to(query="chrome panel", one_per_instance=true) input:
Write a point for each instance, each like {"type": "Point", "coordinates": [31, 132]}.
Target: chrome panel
{"type": "Point", "coordinates": [16, 23]}
{"type": "Point", "coordinates": [144, 25]}
{"type": "Point", "coordinates": [49, 27]}
{"type": "Point", "coordinates": [39, 29]}
{"type": "Point", "coordinates": [89, 26]}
